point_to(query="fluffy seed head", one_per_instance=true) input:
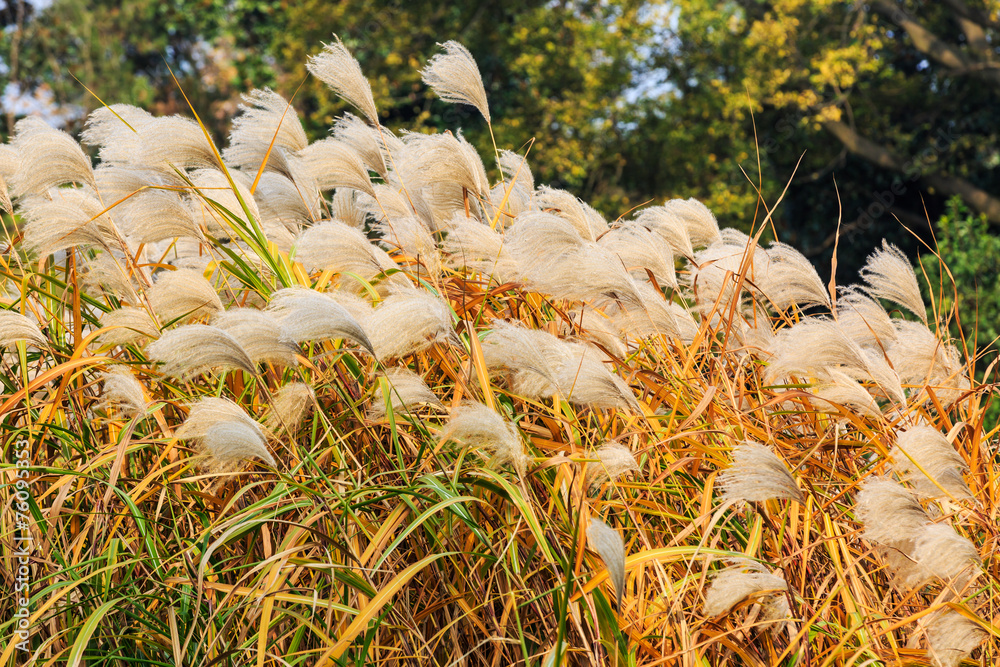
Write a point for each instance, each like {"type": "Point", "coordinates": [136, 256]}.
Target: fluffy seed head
{"type": "Point", "coordinates": [290, 407]}
{"type": "Point", "coordinates": [588, 223]}
{"type": "Point", "coordinates": [194, 349]}
{"type": "Point", "coordinates": [132, 324]}
{"type": "Point", "coordinates": [926, 448]}
{"type": "Point", "coordinates": [700, 223]}
{"type": "Point", "coordinates": [609, 546]}
{"type": "Point", "coordinates": [48, 158]}
{"type": "Point", "coordinates": [259, 334]}
{"type": "Point", "coordinates": [407, 390]}
{"type": "Point", "coordinates": [946, 555]}
{"type": "Point", "coordinates": [15, 326]}
{"type": "Point", "coordinates": [338, 69]}
{"type": "Point", "coordinates": [951, 637]}
{"type": "Point", "coordinates": [864, 320]}
{"type": "Point", "coordinates": [669, 226]}
{"type": "Point", "coordinates": [757, 474]}
{"type": "Point", "coordinates": [743, 579]}
{"type": "Point", "coordinates": [225, 432]}
{"type": "Point", "coordinates": [476, 425]}
{"type": "Point", "coordinates": [409, 321]}
{"type": "Point", "coordinates": [338, 247]}
{"type": "Point", "coordinates": [889, 275]}
{"type": "Point", "coordinates": [307, 315]}
{"type": "Point", "coordinates": [334, 164]}
{"type": "Point", "coordinates": [183, 294]}
{"type": "Point", "coordinates": [455, 77]}
{"type": "Point", "coordinates": [267, 122]}
{"type": "Point", "coordinates": [890, 514]}
{"type": "Point", "coordinates": [122, 390]}
{"type": "Point", "coordinates": [614, 460]}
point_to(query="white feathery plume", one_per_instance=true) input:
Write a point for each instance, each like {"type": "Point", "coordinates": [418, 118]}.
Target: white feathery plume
{"type": "Point", "coordinates": [639, 250]}
{"type": "Point", "coordinates": [951, 637]}
{"type": "Point", "coordinates": [946, 555]}
{"type": "Point", "coordinates": [133, 324]}
{"type": "Point", "coordinates": [105, 273]}
{"type": "Point", "coordinates": [792, 279]}
{"type": "Point", "coordinates": [169, 142]}
{"type": "Point", "coordinates": [155, 215]}
{"type": "Point", "coordinates": [442, 159]}
{"type": "Point", "coordinates": [414, 240]}
{"type": "Point", "coordinates": [454, 76]}
{"type": "Point", "coordinates": [281, 199]}
{"type": "Point", "coordinates": [584, 380]}
{"type": "Point", "coordinates": [701, 225]}
{"type": "Point", "coordinates": [309, 315]}
{"type": "Point", "coordinates": [476, 425]}
{"type": "Point", "coordinates": [407, 391]}
{"type": "Point", "coordinates": [64, 219]}
{"type": "Point", "coordinates": [838, 388]}
{"type": "Point", "coordinates": [392, 201]}
{"type": "Point", "coordinates": [259, 334]}
{"type": "Point", "coordinates": [47, 158]}
{"type": "Point", "coordinates": [595, 326]}
{"type": "Point", "coordinates": [588, 223]}
{"type": "Point", "coordinates": [213, 190]}
{"type": "Point", "coordinates": [921, 358]}
{"type": "Point", "coordinates": [655, 316]}
{"type": "Point", "coordinates": [536, 234]}
{"type": "Point", "coordinates": [182, 294]}
{"type": "Point", "coordinates": [338, 247]}
{"type": "Point", "coordinates": [225, 432]}
{"type": "Point", "coordinates": [927, 448]}
{"type": "Point", "coordinates": [194, 349]}
{"type": "Point", "coordinates": [864, 320]}
{"type": "Point", "coordinates": [267, 122]}
{"type": "Point", "coordinates": [716, 269]}
{"type": "Point", "coordinates": [115, 131]}
{"type": "Point", "coordinates": [890, 514]}
{"type": "Point", "coordinates": [290, 407]}
{"type": "Point", "coordinates": [757, 474]}
{"type": "Point", "coordinates": [335, 164]}
{"type": "Point", "coordinates": [669, 226]}
{"type": "Point", "coordinates": [743, 579]}
{"type": "Point", "coordinates": [122, 390]}
{"type": "Point", "coordinates": [369, 143]}
{"type": "Point", "coordinates": [409, 321]}
{"type": "Point", "coordinates": [890, 276]}
{"type": "Point", "coordinates": [338, 69]}
{"type": "Point", "coordinates": [613, 460]}
{"type": "Point", "coordinates": [14, 327]}
{"type": "Point", "coordinates": [608, 544]}
{"type": "Point", "coordinates": [517, 190]}
{"type": "Point", "coordinates": [346, 207]}
{"type": "Point", "coordinates": [475, 246]}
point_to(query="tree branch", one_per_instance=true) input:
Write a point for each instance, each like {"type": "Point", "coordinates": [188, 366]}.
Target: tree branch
{"type": "Point", "coordinates": [865, 148]}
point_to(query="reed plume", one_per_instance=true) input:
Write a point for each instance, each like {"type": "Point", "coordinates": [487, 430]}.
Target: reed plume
{"type": "Point", "coordinates": [927, 448]}
{"type": "Point", "coordinates": [922, 359]}
{"type": "Point", "coordinates": [756, 475]}
{"type": "Point", "coordinates": [410, 321]}
{"type": "Point", "coordinates": [700, 223]}
{"type": "Point", "coordinates": [183, 294]}
{"type": "Point", "coordinates": [455, 77]}
{"type": "Point", "coordinates": [792, 279]}
{"type": "Point", "coordinates": [613, 460]}
{"type": "Point", "coordinates": [407, 391]}
{"type": "Point", "coordinates": [335, 246]}
{"type": "Point", "coordinates": [864, 320]}
{"type": "Point", "coordinates": [122, 390]}
{"type": "Point", "coordinates": [946, 555]}
{"type": "Point", "coordinates": [130, 325]}
{"type": "Point", "coordinates": [194, 349]}
{"type": "Point", "coordinates": [413, 238]}
{"type": "Point", "coordinates": [889, 275]}
{"type": "Point", "coordinates": [608, 544]}
{"type": "Point", "coordinates": [588, 223]}
{"type": "Point", "coordinates": [47, 158]}
{"type": "Point", "coordinates": [226, 433]}
{"type": "Point", "coordinates": [114, 130]}
{"type": "Point", "coordinates": [334, 164]}
{"type": "Point", "coordinates": [951, 637]}
{"type": "Point", "coordinates": [307, 315]}
{"type": "Point", "coordinates": [338, 69]}
{"type": "Point", "coordinates": [641, 250]}
{"type": "Point", "coordinates": [15, 326]}
{"type": "Point", "coordinates": [64, 219]}
{"type": "Point", "coordinates": [259, 334]}
{"type": "Point", "coordinates": [476, 425]}
{"type": "Point", "coordinates": [745, 579]}
{"type": "Point", "coordinates": [476, 247]}
{"type": "Point", "coordinates": [267, 127]}
{"type": "Point", "coordinates": [290, 407]}
{"type": "Point", "coordinates": [669, 226]}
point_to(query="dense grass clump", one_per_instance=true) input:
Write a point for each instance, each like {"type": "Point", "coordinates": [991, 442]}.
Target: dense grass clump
{"type": "Point", "coordinates": [356, 401]}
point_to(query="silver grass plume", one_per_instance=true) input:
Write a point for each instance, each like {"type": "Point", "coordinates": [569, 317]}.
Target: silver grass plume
{"type": "Point", "coordinates": [640, 250]}
{"type": "Point", "coordinates": [609, 546]}
{"type": "Point", "coordinates": [585, 380]}
{"type": "Point", "coordinates": [105, 273]}
{"type": "Point", "coordinates": [921, 358]}
{"type": "Point", "coordinates": [122, 390]}
{"type": "Point", "coordinates": [15, 326]}
{"type": "Point", "coordinates": [290, 407]}
{"type": "Point", "coordinates": [407, 391]}
{"type": "Point", "coordinates": [368, 143]}
{"type": "Point", "coordinates": [473, 245]}
{"type": "Point", "coordinates": [442, 159]}
{"type": "Point", "coordinates": [837, 388]}
{"type": "Point", "coordinates": [259, 334]}
{"type": "Point", "coordinates": [654, 316]}
{"type": "Point", "coordinates": [701, 225]}
{"type": "Point", "coordinates": [792, 279]}
{"type": "Point", "coordinates": [743, 579]}
{"type": "Point", "coordinates": [455, 77]}
{"type": "Point", "coordinates": [588, 223]}
{"type": "Point", "coordinates": [335, 246]}
{"type": "Point", "coordinates": [946, 555]}
{"type": "Point", "coordinates": [890, 276]}
{"type": "Point", "coordinates": [951, 637]}
{"type": "Point", "coordinates": [169, 142]}
{"type": "Point", "coordinates": [593, 326]}
{"type": "Point", "coordinates": [115, 131]}
{"type": "Point", "coordinates": [517, 191]}
{"type": "Point", "coordinates": [717, 268]}
{"type": "Point", "coordinates": [213, 192]}
{"type": "Point", "coordinates": [8, 167]}
{"type": "Point", "coordinates": [338, 69]}
{"type": "Point", "coordinates": [194, 349]}
{"type": "Point", "coordinates": [613, 460]}
{"type": "Point", "coordinates": [334, 164]}
{"type": "Point", "coordinates": [890, 514]}
{"type": "Point", "coordinates": [225, 432]}
{"type": "Point", "coordinates": [155, 215]}
{"type": "Point", "coordinates": [757, 474]}
{"type": "Point", "coordinates": [281, 199]}
{"type": "Point", "coordinates": [414, 240]}
{"type": "Point", "coordinates": [345, 207]}
{"type": "Point", "coordinates": [47, 158]}
{"type": "Point", "coordinates": [477, 425]}
{"type": "Point", "coordinates": [410, 321]}
{"type": "Point", "coordinates": [669, 226]}
{"type": "Point", "coordinates": [864, 320]}
{"type": "Point", "coordinates": [183, 294]}
{"type": "Point", "coordinates": [64, 219]}
{"type": "Point", "coordinates": [267, 122]}
{"type": "Point", "coordinates": [132, 325]}
{"type": "Point", "coordinates": [307, 315]}
{"type": "Point", "coordinates": [928, 448]}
